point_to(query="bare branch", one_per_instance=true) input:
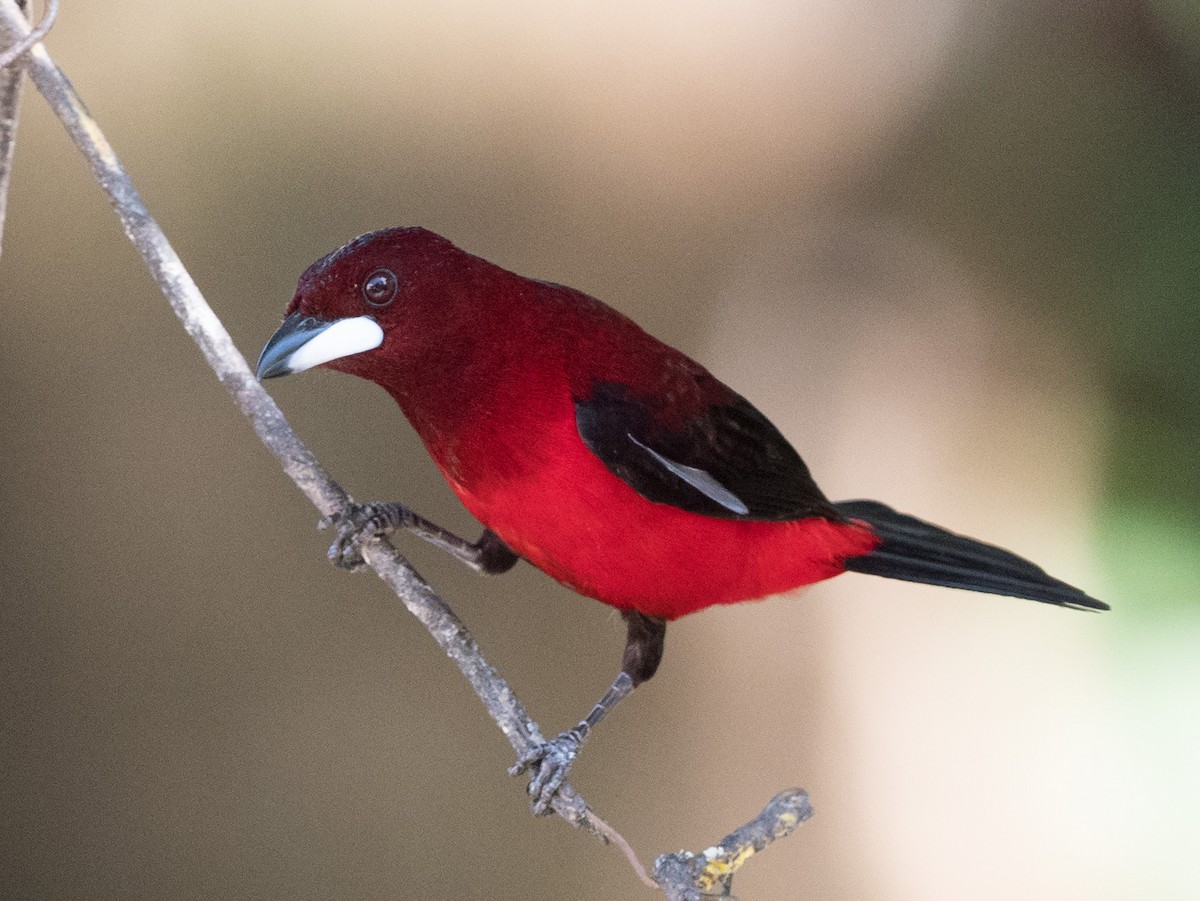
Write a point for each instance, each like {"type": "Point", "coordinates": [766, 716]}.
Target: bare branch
{"type": "Point", "coordinates": [21, 47]}
{"type": "Point", "coordinates": [10, 105]}
{"type": "Point", "coordinates": [682, 875]}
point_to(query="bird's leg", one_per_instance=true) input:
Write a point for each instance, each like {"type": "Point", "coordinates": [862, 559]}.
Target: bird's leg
{"type": "Point", "coordinates": [550, 762]}
{"type": "Point", "coordinates": [360, 522]}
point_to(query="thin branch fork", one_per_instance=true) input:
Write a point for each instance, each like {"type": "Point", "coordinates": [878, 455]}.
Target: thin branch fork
{"type": "Point", "coordinates": [10, 105]}
{"type": "Point", "coordinates": [682, 876]}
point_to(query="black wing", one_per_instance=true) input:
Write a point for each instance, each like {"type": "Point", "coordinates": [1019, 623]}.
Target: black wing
{"type": "Point", "coordinates": [727, 461]}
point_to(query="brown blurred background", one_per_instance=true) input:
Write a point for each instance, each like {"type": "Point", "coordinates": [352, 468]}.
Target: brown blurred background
{"type": "Point", "coordinates": [949, 246]}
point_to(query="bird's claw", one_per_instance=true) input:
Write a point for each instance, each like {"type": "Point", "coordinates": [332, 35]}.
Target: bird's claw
{"type": "Point", "coordinates": [550, 764]}
{"type": "Point", "coordinates": [357, 524]}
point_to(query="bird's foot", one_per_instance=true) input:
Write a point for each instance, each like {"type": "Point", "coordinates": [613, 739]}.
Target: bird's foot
{"type": "Point", "coordinates": [549, 764]}
{"type": "Point", "coordinates": [359, 523]}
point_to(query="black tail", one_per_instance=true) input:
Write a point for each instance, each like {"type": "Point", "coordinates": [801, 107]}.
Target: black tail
{"type": "Point", "coordinates": [917, 551]}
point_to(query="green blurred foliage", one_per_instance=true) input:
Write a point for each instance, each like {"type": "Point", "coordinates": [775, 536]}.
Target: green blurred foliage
{"type": "Point", "coordinates": [1065, 162]}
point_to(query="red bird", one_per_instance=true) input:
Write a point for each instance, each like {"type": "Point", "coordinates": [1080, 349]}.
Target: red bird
{"type": "Point", "coordinates": [612, 462]}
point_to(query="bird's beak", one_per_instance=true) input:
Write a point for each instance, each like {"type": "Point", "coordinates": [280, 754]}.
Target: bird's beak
{"type": "Point", "coordinates": [303, 342]}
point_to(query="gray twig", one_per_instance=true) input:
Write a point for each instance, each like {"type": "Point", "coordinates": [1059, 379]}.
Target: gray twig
{"type": "Point", "coordinates": [302, 467]}
{"type": "Point", "coordinates": [684, 876]}
{"type": "Point", "coordinates": [20, 47]}
{"type": "Point", "coordinates": [10, 106]}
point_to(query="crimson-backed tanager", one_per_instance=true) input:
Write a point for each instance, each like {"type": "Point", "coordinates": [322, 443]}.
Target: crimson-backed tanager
{"type": "Point", "coordinates": [610, 461]}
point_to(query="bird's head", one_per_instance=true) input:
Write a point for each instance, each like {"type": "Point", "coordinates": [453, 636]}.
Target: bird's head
{"type": "Point", "coordinates": [356, 307]}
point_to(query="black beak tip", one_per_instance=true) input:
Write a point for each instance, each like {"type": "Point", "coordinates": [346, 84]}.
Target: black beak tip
{"type": "Point", "coordinates": [295, 331]}
{"type": "Point", "coordinates": [268, 368]}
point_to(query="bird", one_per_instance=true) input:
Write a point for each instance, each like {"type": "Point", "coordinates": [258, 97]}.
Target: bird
{"type": "Point", "coordinates": [609, 460]}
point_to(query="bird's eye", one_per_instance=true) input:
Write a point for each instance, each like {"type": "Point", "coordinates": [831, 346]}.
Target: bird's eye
{"type": "Point", "coordinates": [379, 288]}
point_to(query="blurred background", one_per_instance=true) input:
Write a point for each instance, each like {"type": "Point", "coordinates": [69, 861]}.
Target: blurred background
{"type": "Point", "coordinates": [949, 246]}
